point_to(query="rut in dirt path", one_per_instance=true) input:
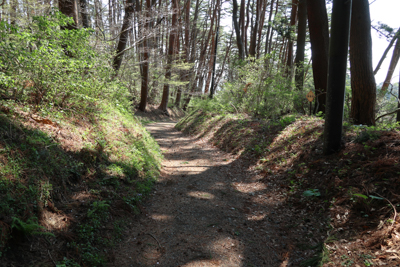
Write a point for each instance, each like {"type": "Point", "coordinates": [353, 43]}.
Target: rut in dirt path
{"type": "Point", "coordinates": [207, 209]}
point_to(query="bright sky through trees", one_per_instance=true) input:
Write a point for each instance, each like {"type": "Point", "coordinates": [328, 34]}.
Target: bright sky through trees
{"type": "Point", "coordinates": [385, 11]}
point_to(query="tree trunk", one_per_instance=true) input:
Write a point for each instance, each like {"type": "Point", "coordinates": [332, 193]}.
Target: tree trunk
{"type": "Point", "coordinates": [144, 70]}
{"type": "Point", "coordinates": [362, 76]}
{"type": "Point", "coordinates": [123, 38]}
{"type": "Point", "coordinates": [212, 90]}
{"type": "Point", "coordinates": [392, 66]}
{"type": "Point", "coordinates": [293, 18]}
{"type": "Point", "coordinates": [338, 48]}
{"type": "Point", "coordinates": [69, 8]}
{"type": "Point", "coordinates": [254, 31]}
{"type": "Point", "coordinates": [171, 52]}
{"type": "Point", "coordinates": [319, 37]}
{"type": "Point", "coordinates": [239, 42]}
{"type": "Point", "coordinates": [395, 37]}
{"type": "Point", "coordinates": [84, 14]}
{"type": "Point", "coordinates": [301, 43]}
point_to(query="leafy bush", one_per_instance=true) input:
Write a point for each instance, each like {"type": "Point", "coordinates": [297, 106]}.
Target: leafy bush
{"type": "Point", "coordinates": [45, 65]}
{"type": "Point", "coordinates": [257, 91]}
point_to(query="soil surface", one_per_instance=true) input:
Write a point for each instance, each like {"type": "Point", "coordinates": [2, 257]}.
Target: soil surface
{"type": "Point", "coordinates": [210, 208]}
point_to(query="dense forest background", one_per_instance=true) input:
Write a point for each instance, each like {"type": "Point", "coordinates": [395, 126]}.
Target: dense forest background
{"type": "Point", "coordinates": [170, 53]}
{"type": "Point", "coordinates": [74, 159]}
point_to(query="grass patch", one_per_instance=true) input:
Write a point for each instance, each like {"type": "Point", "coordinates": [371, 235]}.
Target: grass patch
{"type": "Point", "coordinates": [70, 175]}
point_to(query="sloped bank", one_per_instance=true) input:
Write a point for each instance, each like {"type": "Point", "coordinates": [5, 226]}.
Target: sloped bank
{"type": "Point", "coordinates": [70, 181]}
{"type": "Point", "coordinates": [352, 193]}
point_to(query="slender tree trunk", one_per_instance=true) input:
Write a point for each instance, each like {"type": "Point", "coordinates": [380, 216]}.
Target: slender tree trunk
{"type": "Point", "coordinates": [392, 66]}
{"type": "Point", "coordinates": [242, 21]}
{"type": "Point", "coordinates": [261, 26]}
{"type": "Point", "coordinates": [319, 37]}
{"type": "Point", "coordinates": [84, 14]}
{"type": "Point", "coordinates": [145, 60]}
{"type": "Point", "coordinates": [69, 8]}
{"type": "Point", "coordinates": [254, 31]}
{"type": "Point", "coordinates": [395, 37]}
{"type": "Point", "coordinates": [269, 27]}
{"type": "Point", "coordinates": [123, 38]}
{"type": "Point", "coordinates": [398, 104]}
{"type": "Point", "coordinates": [171, 52]}
{"type": "Point", "coordinates": [293, 19]}
{"type": "Point", "coordinates": [338, 48]}
{"type": "Point", "coordinates": [301, 42]}
{"type": "Point", "coordinates": [363, 85]}
{"type": "Point", "coordinates": [246, 28]}
{"type": "Point", "coordinates": [239, 42]}
{"type": "Point", "coordinates": [212, 90]}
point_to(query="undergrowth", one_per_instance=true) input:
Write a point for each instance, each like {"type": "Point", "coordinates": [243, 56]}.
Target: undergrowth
{"type": "Point", "coordinates": [347, 193]}
{"type": "Point", "coordinates": [73, 158]}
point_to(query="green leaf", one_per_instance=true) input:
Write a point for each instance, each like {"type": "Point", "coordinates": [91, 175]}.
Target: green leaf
{"type": "Point", "coordinates": [361, 195]}
{"type": "Point", "coordinates": [375, 197]}
{"type": "Point", "coordinates": [312, 192]}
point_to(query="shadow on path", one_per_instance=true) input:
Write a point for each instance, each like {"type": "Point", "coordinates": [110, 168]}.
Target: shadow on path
{"type": "Point", "coordinates": [208, 209]}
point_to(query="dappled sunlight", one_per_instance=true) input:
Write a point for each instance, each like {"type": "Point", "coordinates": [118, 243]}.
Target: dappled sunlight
{"type": "Point", "coordinates": [201, 195]}
{"type": "Point", "coordinates": [82, 196]}
{"type": "Point", "coordinates": [249, 187]}
{"type": "Point", "coordinates": [256, 217]}
{"type": "Point", "coordinates": [228, 249]}
{"type": "Point", "coordinates": [161, 217]}
{"type": "Point", "coordinates": [55, 221]}
{"type": "Point", "coordinates": [203, 263]}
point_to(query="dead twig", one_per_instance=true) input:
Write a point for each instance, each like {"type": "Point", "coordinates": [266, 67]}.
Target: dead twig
{"type": "Point", "coordinates": [55, 264]}
{"type": "Point", "coordinates": [394, 209]}
{"type": "Point", "coordinates": [159, 245]}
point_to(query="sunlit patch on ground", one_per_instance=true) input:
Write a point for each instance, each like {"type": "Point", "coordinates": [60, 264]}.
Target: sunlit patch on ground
{"type": "Point", "coordinates": [201, 195]}
{"type": "Point", "coordinates": [161, 217]}
{"type": "Point", "coordinates": [249, 187]}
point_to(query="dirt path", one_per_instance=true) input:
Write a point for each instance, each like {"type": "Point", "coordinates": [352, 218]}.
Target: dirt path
{"type": "Point", "coordinates": [209, 209]}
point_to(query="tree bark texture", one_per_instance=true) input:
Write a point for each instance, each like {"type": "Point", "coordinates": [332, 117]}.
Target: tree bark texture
{"type": "Point", "coordinates": [301, 43]}
{"type": "Point", "coordinates": [293, 19]}
{"type": "Point", "coordinates": [319, 37]}
{"type": "Point", "coordinates": [144, 70]}
{"type": "Point", "coordinates": [395, 37]}
{"type": "Point", "coordinates": [338, 48]}
{"type": "Point", "coordinates": [392, 66]}
{"type": "Point", "coordinates": [239, 42]}
{"type": "Point", "coordinates": [69, 8]}
{"type": "Point", "coordinates": [171, 50]}
{"type": "Point", "coordinates": [362, 75]}
{"type": "Point", "coordinates": [123, 38]}
{"type": "Point", "coordinates": [84, 14]}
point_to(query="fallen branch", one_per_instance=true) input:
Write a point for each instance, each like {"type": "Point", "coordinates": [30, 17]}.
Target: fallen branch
{"type": "Point", "coordinates": [394, 208]}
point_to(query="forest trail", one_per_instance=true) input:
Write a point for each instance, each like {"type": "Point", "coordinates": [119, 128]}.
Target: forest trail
{"type": "Point", "coordinates": [208, 209]}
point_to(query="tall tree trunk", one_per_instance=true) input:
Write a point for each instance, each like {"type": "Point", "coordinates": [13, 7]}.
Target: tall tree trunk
{"type": "Point", "coordinates": [392, 66]}
{"type": "Point", "coordinates": [363, 85]}
{"type": "Point", "coordinates": [69, 8]}
{"type": "Point", "coordinates": [395, 37]}
{"type": "Point", "coordinates": [242, 20]}
{"type": "Point", "coordinates": [123, 38]}
{"type": "Point", "coordinates": [261, 26]}
{"type": "Point", "coordinates": [246, 28]}
{"type": "Point", "coordinates": [338, 48]}
{"type": "Point", "coordinates": [144, 70]}
{"type": "Point", "coordinates": [254, 31]}
{"type": "Point", "coordinates": [319, 37]}
{"type": "Point", "coordinates": [239, 42]}
{"type": "Point", "coordinates": [171, 52]}
{"type": "Point", "coordinates": [84, 14]}
{"type": "Point", "coordinates": [293, 19]}
{"type": "Point", "coordinates": [301, 43]}
{"type": "Point", "coordinates": [212, 90]}
{"type": "Point", "coordinates": [269, 27]}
